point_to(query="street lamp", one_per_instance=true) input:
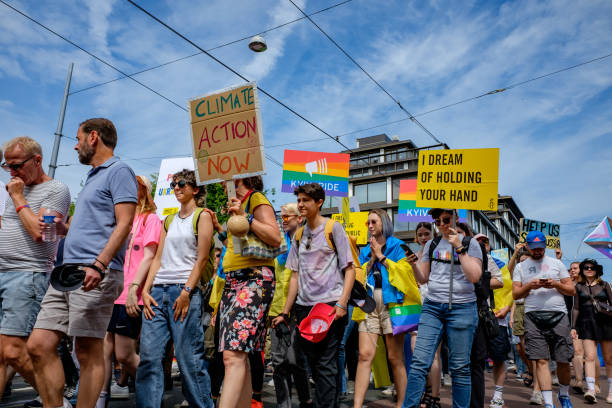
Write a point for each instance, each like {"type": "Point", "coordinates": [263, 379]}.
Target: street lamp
{"type": "Point", "coordinates": [258, 44]}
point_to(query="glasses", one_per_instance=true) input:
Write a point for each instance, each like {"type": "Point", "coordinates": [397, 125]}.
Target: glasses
{"type": "Point", "coordinates": [287, 217]}
{"type": "Point", "coordinates": [483, 240]}
{"type": "Point", "coordinates": [308, 242]}
{"type": "Point", "coordinates": [589, 268]}
{"type": "Point", "coordinates": [16, 166]}
{"type": "Point", "coordinates": [445, 220]}
{"type": "Point", "coordinates": [181, 183]}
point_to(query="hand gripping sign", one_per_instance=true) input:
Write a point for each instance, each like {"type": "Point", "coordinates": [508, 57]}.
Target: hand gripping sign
{"type": "Point", "coordinates": [227, 135]}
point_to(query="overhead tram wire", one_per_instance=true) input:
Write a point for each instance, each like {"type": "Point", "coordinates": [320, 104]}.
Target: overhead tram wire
{"type": "Point", "coordinates": [210, 49]}
{"type": "Point", "coordinates": [492, 92]}
{"type": "Point", "coordinates": [410, 116]}
{"type": "Point", "coordinates": [236, 73]}
{"type": "Point", "coordinates": [335, 139]}
{"type": "Point", "coordinates": [110, 66]}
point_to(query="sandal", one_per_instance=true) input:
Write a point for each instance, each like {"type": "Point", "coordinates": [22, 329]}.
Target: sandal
{"type": "Point", "coordinates": [426, 399]}
{"type": "Point", "coordinates": [528, 379]}
{"type": "Point", "coordinates": [577, 387]}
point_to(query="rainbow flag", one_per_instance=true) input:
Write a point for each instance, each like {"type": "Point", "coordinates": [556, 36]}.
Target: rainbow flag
{"type": "Point", "coordinates": [404, 318]}
{"type": "Point", "coordinates": [331, 170]}
{"type": "Point", "coordinates": [409, 212]}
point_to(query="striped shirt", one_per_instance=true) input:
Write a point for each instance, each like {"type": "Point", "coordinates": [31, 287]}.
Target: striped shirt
{"type": "Point", "coordinates": [18, 251]}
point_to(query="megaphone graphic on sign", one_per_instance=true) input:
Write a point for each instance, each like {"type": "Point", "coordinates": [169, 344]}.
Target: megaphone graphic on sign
{"type": "Point", "coordinates": [317, 166]}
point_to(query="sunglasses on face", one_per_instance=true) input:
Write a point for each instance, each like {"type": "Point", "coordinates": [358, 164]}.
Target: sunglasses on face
{"type": "Point", "coordinates": [308, 242]}
{"type": "Point", "coordinates": [445, 220]}
{"type": "Point", "coordinates": [589, 268]}
{"type": "Point", "coordinates": [287, 217]}
{"type": "Point", "coordinates": [181, 183]}
{"type": "Point", "coordinates": [16, 166]}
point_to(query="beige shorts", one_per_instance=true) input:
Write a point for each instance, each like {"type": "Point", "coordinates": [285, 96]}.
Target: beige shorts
{"type": "Point", "coordinates": [79, 313]}
{"type": "Point", "coordinates": [379, 321]}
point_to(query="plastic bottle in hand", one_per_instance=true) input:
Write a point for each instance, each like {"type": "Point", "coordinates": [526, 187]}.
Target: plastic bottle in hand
{"type": "Point", "coordinates": [48, 231]}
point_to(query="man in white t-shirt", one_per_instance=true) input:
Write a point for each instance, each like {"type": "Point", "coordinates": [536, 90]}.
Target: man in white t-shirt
{"type": "Point", "coordinates": [543, 281]}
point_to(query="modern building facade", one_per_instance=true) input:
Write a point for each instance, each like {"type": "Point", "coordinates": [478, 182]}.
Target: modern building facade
{"type": "Point", "coordinates": [377, 165]}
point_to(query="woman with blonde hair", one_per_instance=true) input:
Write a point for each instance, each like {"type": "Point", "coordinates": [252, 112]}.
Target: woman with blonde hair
{"type": "Point", "coordinates": [124, 327]}
{"type": "Point", "coordinates": [383, 259]}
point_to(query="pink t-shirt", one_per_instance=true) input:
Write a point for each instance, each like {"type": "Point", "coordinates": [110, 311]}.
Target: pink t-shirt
{"type": "Point", "coordinates": [145, 230]}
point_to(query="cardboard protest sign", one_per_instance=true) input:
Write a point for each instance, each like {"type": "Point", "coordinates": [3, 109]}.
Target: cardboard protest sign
{"type": "Point", "coordinates": [330, 170]}
{"type": "Point", "coordinates": [465, 178]}
{"type": "Point", "coordinates": [551, 231]}
{"type": "Point", "coordinates": [227, 135]}
{"type": "Point", "coordinates": [355, 226]}
{"type": "Point", "coordinates": [164, 198]}
{"type": "Point", "coordinates": [601, 237]}
{"type": "Point", "coordinates": [409, 212]}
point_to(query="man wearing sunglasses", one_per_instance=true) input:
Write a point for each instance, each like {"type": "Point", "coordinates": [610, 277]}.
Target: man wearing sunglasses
{"type": "Point", "coordinates": [100, 225]}
{"type": "Point", "coordinates": [464, 262]}
{"type": "Point", "coordinates": [25, 259]}
{"type": "Point", "coordinates": [543, 281]}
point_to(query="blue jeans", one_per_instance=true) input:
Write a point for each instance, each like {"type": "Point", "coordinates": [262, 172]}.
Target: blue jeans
{"type": "Point", "coordinates": [341, 350]}
{"type": "Point", "coordinates": [459, 325]}
{"type": "Point", "coordinates": [188, 337]}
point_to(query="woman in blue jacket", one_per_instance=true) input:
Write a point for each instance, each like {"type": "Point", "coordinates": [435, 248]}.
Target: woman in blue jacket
{"type": "Point", "coordinates": [382, 259]}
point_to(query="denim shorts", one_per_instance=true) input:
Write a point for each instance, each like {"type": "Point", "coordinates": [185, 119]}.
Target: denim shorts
{"type": "Point", "coordinates": [20, 296]}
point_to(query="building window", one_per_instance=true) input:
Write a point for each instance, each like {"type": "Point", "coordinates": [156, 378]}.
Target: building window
{"type": "Point", "coordinates": [402, 226]}
{"type": "Point", "coordinates": [330, 202]}
{"type": "Point", "coordinates": [371, 193]}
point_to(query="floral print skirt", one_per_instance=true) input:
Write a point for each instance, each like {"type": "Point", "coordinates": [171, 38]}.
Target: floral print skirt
{"type": "Point", "coordinates": [244, 309]}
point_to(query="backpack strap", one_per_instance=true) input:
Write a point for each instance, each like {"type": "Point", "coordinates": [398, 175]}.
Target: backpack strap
{"type": "Point", "coordinates": [329, 234]}
{"type": "Point", "coordinates": [196, 219]}
{"type": "Point", "coordinates": [298, 236]}
{"type": "Point", "coordinates": [168, 221]}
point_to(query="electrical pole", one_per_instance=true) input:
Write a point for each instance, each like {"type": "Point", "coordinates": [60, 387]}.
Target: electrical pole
{"type": "Point", "coordinates": [60, 125]}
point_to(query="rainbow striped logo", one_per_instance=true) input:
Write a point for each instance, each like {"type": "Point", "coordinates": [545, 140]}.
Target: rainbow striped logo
{"type": "Point", "coordinates": [409, 212]}
{"type": "Point", "coordinates": [331, 170]}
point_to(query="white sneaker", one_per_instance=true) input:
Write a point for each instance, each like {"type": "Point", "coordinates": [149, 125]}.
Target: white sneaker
{"type": "Point", "coordinates": [175, 371]}
{"type": "Point", "coordinates": [389, 391]}
{"type": "Point", "coordinates": [270, 383]}
{"type": "Point", "coordinates": [447, 381]}
{"type": "Point", "coordinates": [119, 392]}
{"type": "Point", "coordinates": [67, 403]}
{"type": "Point", "coordinates": [536, 398]}
{"type": "Point", "coordinates": [555, 379]}
{"type": "Point", "coordinates": [101, 403]}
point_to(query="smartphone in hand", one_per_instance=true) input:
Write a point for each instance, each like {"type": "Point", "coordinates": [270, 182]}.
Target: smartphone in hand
{"type": "Point", "coordinates": [407, 249]}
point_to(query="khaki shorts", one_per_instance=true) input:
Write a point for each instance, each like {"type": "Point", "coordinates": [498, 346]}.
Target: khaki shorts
{"type": "Point", "coordinates": [518, 328]}
{"type": "Point", "coordinates": [79, 313]}
{"type": "Point", "coordinates": [379, 321]}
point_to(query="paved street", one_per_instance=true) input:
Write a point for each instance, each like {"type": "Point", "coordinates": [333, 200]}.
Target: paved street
{"type": "Point", "coordinates": [515, 394]}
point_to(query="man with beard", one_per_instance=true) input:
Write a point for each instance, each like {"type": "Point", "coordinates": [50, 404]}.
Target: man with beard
{"type": "Point", "coordinates": [543, 281]}
{"type": "Point", "coordinates": [25, 259]}
{"type": "Point", "coordinates": [100, 225]}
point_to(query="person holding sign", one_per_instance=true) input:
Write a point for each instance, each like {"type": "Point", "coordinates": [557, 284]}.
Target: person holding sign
{"type": "Point", "coordinates": [442, 257]}
{"type": "Point", "coordinates": [172, 299]}
{"type": "Point", "coordinates": [248, 292]}
{"type": "Point", "coordinates": [543, 281]}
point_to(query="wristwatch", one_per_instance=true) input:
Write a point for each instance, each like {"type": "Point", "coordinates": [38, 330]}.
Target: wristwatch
{"type": "Point", "coordinates": [187, 289]}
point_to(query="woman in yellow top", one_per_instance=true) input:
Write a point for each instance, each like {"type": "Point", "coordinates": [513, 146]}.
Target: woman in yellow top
{"type": "Point", "coordinates": [247, 295]}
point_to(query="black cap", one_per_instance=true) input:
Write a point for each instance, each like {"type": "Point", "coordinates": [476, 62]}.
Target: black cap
{"type": "Point", "coordinates": [68, 277]}
{"type": "Point", "coordinates": [361, 299]}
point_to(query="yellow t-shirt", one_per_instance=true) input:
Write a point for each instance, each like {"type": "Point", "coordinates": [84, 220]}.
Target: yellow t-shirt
{"type": "Point", "coordinates": [232, 261]}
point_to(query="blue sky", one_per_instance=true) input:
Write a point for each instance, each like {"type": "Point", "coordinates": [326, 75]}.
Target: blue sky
{"type": "Point", "coordinates": [554, 134]}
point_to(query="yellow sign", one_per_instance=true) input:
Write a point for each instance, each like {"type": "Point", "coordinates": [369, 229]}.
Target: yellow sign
{"type": "Point", "coordinates": [552, 232]}
{"type": "Point", "coordinates": [227, 134]}
{"type": "Point", "coordinates": [460, 179]}
{"type": "Point", "coordinates": [356, 226]}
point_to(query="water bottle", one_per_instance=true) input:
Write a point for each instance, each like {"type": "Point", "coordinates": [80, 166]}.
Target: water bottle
{"type": "Point", "coordinates": [48, 231]}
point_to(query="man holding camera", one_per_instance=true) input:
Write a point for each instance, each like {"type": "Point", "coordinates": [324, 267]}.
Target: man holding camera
{"type": "Point", "coordinates": [543, 281]}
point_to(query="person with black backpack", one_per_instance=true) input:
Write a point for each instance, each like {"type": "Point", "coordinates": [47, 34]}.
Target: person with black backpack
{"type": "Point", "coordinates": [451, 265]}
